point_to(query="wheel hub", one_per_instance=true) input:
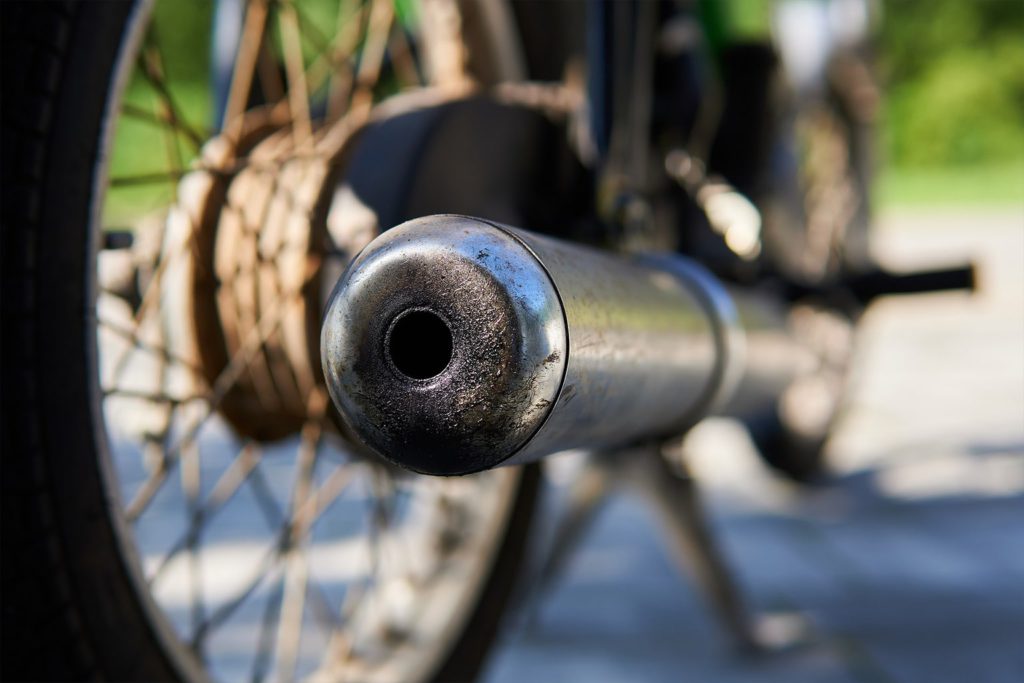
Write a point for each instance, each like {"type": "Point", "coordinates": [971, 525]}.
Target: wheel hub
{"type": "Point", "coordinates": [252, 220]}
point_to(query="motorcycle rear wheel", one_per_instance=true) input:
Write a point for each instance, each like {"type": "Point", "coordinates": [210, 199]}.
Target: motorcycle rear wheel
{"type": "Point", "coordinates": [77, 601]}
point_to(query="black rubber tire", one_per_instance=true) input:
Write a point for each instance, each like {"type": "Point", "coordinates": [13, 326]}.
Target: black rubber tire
{"type": "Point", "coordinates": [70, 609]}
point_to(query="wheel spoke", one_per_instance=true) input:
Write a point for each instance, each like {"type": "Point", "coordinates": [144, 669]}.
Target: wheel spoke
{"type": "Point", "coordinates": [267, 564]}
{"type": "Point", "coordinates": [144, 496]}
{"type": "Point", "coordinates": [298, 92]}
{"type": "Point", "coordinates": [310, 30]}
{"type": "Point", "coordinates": [328, 492]}
{"type": "Point", "coordinates": [174, 160]}
{"type": "Point", "coordinates": [223, 491]}
{"type": "Point", "coordinates": [322, 498]}
{"type": "Point", "coordinates": [403, 59]}
{"type": "Point", "coordinates": [382, 14]}
{"type": "Point", "coordinates": [319, 501]}
{"type": "Point", "coordinates": [158, 350]}
{"type": "Point", "coordinates": [333, 61]}
{"type": "Point", "coordinates": [152, 397]}
{"type": "Point", "coordinates": [289, 628]}
{"type": "Point", "coordinates": [385, 509]}
{"type": "Point", "coordinates": [163, 120]}
{"type": "Point", "coordinates": [444, 55]}
{"type": "Point", "coordinates": [272, 512]}
{"type": "Point", "coordinates": [264, 649]}
{"type": "Point", "coordinates": [264, 568]}
{"type": "Point", "coordinates": [150, 66]}
{"type": "Point", "coordinates": [154, 287]}
{"type": "Point", "coordinates": [378, 515]}
{"type": "Point", "coordinates": [155, 178]}
{"type": "Point", "coordinates": [191, 474]}
{"type": "Point", "coordinates": [245, 64]}
{"type": "Point", "coordinates": [270, 77]}
{"type": "Point", "coordinates": [267, 324]}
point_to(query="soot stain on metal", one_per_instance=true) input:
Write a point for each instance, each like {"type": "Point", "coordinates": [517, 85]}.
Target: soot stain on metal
{"type": "Point", "coordinates": [481, 408]}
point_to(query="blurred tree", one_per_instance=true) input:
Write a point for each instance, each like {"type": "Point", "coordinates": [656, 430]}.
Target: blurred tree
{"type": "Point", "coordinates": [954, 75]}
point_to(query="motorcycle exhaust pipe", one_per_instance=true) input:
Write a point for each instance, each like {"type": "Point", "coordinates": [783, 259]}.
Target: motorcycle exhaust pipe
{"type": "Point", "coordinates": [452, 345]}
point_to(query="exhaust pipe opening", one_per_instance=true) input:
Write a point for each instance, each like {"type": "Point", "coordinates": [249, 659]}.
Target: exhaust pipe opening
{"type": "Point", "coordinates": [419, 344]}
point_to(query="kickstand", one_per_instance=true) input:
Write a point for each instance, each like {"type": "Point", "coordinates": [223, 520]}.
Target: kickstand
{"type": "Point", "coordinates": [586, 496]}
{"type": "Point", "coordinates": [674, 496]}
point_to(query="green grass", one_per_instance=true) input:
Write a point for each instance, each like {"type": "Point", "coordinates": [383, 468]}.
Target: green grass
{"type": "Point", "coordinates": [991, 184]}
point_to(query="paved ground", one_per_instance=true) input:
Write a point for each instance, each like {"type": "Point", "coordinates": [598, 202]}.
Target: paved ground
{"type": "Point", "coordinates": [910, 564]}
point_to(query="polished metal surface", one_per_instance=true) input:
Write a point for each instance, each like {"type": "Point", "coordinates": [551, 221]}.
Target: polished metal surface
{"type": "Point", "coordinates": [642, 350]}
{"type": "Point", "coordinates": [542, 346]}
{"type": "Point", "coordinates": [730, 339]}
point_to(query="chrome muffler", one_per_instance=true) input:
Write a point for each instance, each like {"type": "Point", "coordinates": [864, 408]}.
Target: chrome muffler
{"type": "Point", "coordinates": [452, 345]}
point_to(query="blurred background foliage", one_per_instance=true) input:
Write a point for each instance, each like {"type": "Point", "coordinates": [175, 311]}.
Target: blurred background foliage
{"type": "Point", "coordinates": [954, 76]}
{"type": "Point", "coordinates": [952, 126]}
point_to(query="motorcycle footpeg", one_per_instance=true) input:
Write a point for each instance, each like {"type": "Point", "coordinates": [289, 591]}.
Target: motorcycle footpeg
{"type": "Point", "coordinates": [879, 282]}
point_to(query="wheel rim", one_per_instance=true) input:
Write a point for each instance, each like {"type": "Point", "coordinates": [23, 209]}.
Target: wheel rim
{"type": "Point", "coordinates": [300, 558]}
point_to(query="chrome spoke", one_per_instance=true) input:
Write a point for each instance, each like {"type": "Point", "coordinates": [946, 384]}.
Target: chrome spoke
{"type": "Point", "coordinates": [378, 515]}
{"type": "Point", "coordinates": [144, 496]}
{"type": "Point", "coordinates": [191, 471]}
{"type": "Point", "coordinates": [153, 289]}
{"type": "Point", "coordinates": [322, 498]}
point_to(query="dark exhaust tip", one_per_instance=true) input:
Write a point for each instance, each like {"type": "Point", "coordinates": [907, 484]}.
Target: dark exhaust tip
{"type": "Point", "coordinates": [419, 344]}
{"type": "Point", "coordinates": [444, 345]}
